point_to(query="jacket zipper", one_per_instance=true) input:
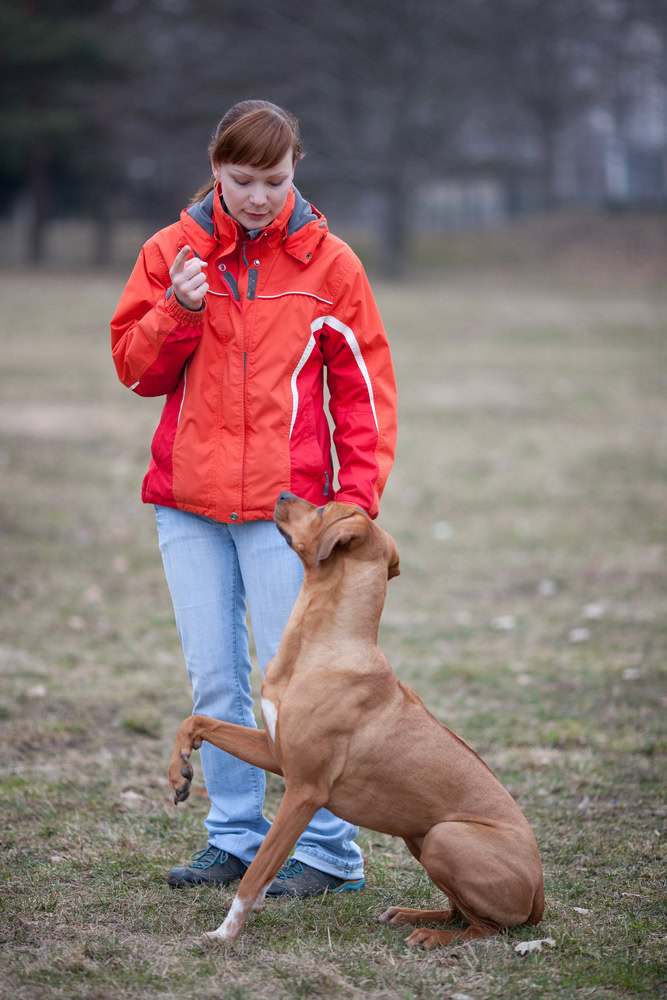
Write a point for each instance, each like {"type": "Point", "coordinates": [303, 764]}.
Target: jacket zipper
{"type": "Point", "coordinates": [245, 362]}
{"type": "Point", "coordinates": [251, 288]}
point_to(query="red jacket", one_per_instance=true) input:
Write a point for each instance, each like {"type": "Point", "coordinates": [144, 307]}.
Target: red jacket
{"type": "Point", "coordinates": [244, 415]}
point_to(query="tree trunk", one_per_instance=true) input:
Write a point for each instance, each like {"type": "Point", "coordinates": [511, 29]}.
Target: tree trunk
{"type": "Point", "coordinates": [102, 235]}
{"type": "Point", "coordinates": [38, 187]}
{"type": "Point", "coordinates": [549, 127]}
{"type": "Point", "coordinates": [394, 229]}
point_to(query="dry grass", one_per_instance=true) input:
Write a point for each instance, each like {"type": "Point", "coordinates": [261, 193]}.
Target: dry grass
{"type": "Point", "coordinates": [528, 500]}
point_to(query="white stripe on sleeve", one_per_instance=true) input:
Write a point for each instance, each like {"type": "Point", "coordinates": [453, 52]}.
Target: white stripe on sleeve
{"type": "Point", "coordinates": [356, 351]}
{"type": "Point", "coordinates": [185, 382]}
{"type": "Point", "coordinates": [295, 392]}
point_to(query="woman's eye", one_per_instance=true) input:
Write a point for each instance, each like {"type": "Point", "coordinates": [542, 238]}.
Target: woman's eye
{"type": "Point", "coordinates": [241, 183]}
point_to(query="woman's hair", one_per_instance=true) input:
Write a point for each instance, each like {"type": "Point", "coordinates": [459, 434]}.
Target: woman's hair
{"type": "Point", "coordinates": [255, 134]}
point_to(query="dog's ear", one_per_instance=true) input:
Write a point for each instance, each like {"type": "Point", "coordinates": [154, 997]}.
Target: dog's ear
{"type": "Point", "coordinates": [350, 530]}
{"type": "Point", "coordinates": [393, 567]}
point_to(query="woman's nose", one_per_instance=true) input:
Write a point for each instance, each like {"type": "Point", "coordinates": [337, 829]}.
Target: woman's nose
{"type": "Point", "coordinates": [258, 196]}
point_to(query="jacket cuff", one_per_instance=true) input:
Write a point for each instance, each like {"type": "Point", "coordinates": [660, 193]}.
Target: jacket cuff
{"type": "Point", "coordinates": [183, 316]}
{"type": "Point", "coordinates": [341, 498]}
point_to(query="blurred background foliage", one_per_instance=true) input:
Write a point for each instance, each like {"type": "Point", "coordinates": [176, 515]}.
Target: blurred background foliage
{"type": "Point", "coordinates": [418, 115]}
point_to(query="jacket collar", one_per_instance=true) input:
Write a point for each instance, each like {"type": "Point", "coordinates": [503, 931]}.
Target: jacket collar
{"type": "Point", "coordinates": [299, 227]}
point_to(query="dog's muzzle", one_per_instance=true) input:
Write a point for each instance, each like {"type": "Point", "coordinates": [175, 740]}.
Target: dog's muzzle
{"type": "Point", "coordinates": [286, 535]}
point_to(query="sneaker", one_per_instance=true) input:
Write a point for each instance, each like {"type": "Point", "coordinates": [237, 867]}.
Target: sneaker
{"type": "Point", "coordinates": [300, 881]}
{"type": "Point", "coordinates": [210, 866]}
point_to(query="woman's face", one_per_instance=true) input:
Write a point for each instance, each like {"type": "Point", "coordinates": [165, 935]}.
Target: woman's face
{"type": "Point", "coordinates": [255, 197]}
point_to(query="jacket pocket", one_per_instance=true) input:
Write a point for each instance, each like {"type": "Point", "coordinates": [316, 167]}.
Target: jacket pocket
{"type": "Point", "coordinates": [306, 455]}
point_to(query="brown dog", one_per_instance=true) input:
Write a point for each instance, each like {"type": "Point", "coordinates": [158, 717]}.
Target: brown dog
{"type": "Point", "coordinates": [348, 735]}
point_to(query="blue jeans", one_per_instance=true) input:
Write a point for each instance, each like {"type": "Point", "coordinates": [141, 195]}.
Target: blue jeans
{"type": "Point", "coordinates": [212, 569]}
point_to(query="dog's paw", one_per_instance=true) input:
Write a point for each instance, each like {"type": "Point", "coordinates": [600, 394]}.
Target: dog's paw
{"type": "Point", "coordinates": [209, 939]}
{"type": "Point", "coordinates": [393, 916]}
{"type": "Point", "coordinates": [181, 793]}
{"type": "Point", "coordinates": [426, 938]}
{"type": "Point", "coordinates": [181, 788]}
{"type": "Point", "coordinates": [421, 938]}
{"type": "Point", "coordinates": [218, 937]}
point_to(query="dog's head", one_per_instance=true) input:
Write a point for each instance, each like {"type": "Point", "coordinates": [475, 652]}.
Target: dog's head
{"type": "Point", "coordinates": [321, 534]}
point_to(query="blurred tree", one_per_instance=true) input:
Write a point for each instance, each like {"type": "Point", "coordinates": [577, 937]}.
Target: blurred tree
{"type": "Point", "coordinates": [551, 68]}
{"type": "Point", "coordinates": [543, 66]}
{"type": "Point", "coordinates": [111, 105]}
{"type": "Point", "coordinates": [44, 49]}
{"type": "Point", "coordinates": [383, 88]}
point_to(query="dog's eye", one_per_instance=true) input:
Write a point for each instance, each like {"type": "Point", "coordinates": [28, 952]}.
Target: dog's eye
{"type": "Point", "coordinates": [320, 511]}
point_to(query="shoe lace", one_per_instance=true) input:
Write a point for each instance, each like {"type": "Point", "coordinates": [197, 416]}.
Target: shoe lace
{"type": "Point", "coordinates": [208, 856]}
{"type": "Point", "coordinates": [290, 869]}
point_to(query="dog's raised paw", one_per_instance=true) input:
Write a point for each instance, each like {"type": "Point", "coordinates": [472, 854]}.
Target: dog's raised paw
{"type": "Point", "coordinates": [181, 793]}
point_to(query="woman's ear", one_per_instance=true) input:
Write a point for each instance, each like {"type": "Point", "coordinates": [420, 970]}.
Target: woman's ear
{"type": "Point", "coordinates": [349, 530]}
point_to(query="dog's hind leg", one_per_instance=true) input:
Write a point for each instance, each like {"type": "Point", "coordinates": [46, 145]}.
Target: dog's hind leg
{"type": "Point", "coordinates": [397, 915]}
{"type": "Point", "coordinates": [429, 937]}
{"type": "Point", "coordinates": [476, 867]}
{"type": "Point", "coordinates": [414, 845]}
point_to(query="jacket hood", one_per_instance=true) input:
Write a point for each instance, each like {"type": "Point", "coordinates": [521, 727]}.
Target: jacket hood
{"type": "Point", "coordinates": [299, 226]}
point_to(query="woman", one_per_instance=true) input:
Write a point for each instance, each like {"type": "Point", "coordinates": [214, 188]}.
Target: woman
{"type": "Point", "coordinates": [232, 313]}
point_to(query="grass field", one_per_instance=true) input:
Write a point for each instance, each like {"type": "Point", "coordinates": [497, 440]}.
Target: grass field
{"type": "Point", "coordinates": [529, 506]}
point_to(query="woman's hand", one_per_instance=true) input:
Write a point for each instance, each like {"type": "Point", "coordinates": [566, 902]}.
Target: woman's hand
{"type": "Point", "coordinates": [189, 280]}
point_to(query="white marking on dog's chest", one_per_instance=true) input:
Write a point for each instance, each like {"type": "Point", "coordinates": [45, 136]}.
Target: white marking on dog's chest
{"type": "Point", "coordinates": [270, 716]}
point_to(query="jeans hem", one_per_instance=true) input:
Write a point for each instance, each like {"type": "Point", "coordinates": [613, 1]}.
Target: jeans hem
{"type": "Point", "coordinates": [327, 865]}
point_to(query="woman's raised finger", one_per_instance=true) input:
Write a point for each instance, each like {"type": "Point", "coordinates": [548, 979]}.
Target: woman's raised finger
{"type": "Point", "coordinates": [179, 261]}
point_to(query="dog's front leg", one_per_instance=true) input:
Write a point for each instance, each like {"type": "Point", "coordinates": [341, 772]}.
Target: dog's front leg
{"type": "Point", "coordinates": [296, 810]}
{"type": "Point", "coordinates": [251, 745]}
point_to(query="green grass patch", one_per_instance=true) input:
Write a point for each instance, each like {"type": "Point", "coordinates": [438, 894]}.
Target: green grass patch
{"type": "Point", "coordinates": [527, 503]}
